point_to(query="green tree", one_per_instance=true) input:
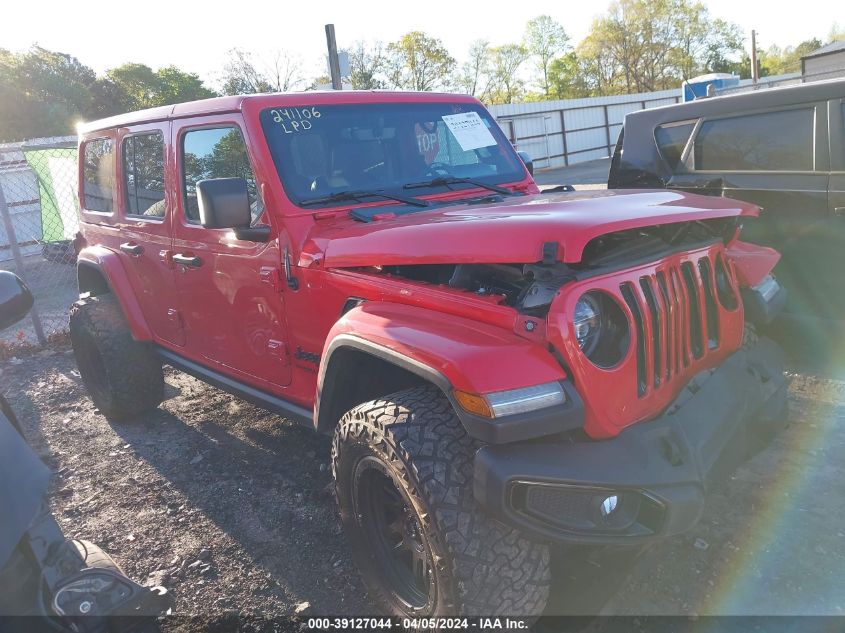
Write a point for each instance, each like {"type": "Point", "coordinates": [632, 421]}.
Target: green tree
{"type": "Point", "coordinates": [724, 43]}
{"type": "Point", "coordinates": [565, 81]}
{"type": "Point", "coordinates": [107, 99]}
{"type": "Point", "coordinates": [42, 93]}
{"type": "Point", "coordinates": [545, 39]}
{"type": "Point", "coordinates": [836, 33]}
{"type": "Point", "coordinates": [178, 86]}
{"type": "Point", "coordinates": [702, 44]}
{"type": "Point", "coordinates": [143, 87]}
{"type": "Point", "coordinates": [137, 83]}
{"type": "Point", "coordinates": [507, 85]}
{"type": "Point", "coordinates": [778, 61]}
{"type": "Point", "coordinates": [417, 61]}
{"type": "Point", "coordinates": [648, 45]}
{"type": "Point", "coordinates": [598, 67]}
{"type": "Point", "coordinates": [45, 93]}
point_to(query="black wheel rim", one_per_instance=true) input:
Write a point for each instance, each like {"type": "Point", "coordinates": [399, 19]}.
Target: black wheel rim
{"type": "Point", "coordinates": [389, 523]}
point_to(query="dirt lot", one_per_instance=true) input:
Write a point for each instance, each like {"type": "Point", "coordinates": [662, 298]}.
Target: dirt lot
{"type": "Point", "coordinates": [229, 507]}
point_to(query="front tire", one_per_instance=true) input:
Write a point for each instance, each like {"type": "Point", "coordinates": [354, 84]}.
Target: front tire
{"type": "Point", "coordinates": [123, 377]}
{"type": "Point", "coordinates": [403, 468]}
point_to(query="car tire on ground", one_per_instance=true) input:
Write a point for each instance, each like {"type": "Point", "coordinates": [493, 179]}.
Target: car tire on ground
{"type": "Point", "coordinates": [123, 376]}
{"type": "Point", "coordinates": [403, 469]}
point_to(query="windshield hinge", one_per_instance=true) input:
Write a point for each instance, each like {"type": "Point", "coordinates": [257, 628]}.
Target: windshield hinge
{"type": "Point", "coordinates": [293, 282]}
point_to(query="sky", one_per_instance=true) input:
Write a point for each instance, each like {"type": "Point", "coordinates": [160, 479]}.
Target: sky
{"type": "Point", "coordinates": [195, 36]}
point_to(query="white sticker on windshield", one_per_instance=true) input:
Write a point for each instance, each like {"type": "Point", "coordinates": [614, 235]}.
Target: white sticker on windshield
{"type": "Point", "coordinates": [469, 130]}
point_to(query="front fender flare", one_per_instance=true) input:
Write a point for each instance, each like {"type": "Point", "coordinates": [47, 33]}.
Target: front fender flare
{"type": "Point", "coordinates": [108, 264]}
{"type": "Point", "coordinates": [455, 353]}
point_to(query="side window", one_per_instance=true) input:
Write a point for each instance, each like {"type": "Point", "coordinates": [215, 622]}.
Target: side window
{"type": "Point", "coordinates": [143, 174]}
{"type": "Point", "coordinates": [216, 153]}
{"type": "Point", "coordinates": [98, 169]}
{"type": "Point", "coordinates": [772, 141]}
{"type": "Point", "coordinates": [671, 141]}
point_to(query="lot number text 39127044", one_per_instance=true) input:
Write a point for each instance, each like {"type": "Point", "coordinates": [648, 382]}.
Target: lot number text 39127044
{"type": "Point", "coordinates": [417, 624]}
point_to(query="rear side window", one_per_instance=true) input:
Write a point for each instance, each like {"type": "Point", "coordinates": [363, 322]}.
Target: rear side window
{"type": "Point", "coordinates": [671, 141]}
{"type": "Point", "coordinates": [98, 169]}
{"type": "Point", "coordinates": [143, 174]}
{"type": "Point", "coordinates": [772, 141]}
{"type": "Point", "coordinates": [216, 153]}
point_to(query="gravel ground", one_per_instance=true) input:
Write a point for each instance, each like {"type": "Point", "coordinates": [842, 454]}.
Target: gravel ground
{"type": "Point", "coordinates": [230, 507]}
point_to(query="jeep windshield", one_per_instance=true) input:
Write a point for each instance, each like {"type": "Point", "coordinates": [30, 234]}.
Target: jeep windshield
{"type": "Point", "coordinates": [329, 155]}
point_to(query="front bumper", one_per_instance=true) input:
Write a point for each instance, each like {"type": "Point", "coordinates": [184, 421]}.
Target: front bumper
{"type": "Point", "coordinates": [658, 472]}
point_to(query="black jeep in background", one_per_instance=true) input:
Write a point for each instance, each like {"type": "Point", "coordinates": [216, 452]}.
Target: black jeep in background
{"type": "Point", "coordinates": [780, 148]}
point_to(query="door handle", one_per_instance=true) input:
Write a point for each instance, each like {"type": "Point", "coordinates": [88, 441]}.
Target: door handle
{"type": "Point", "coordinates": [187, 260]}
{"type": "Point", "coordinates": [839, 212]}
{"type": "Point", "coordinates": [132, 249]}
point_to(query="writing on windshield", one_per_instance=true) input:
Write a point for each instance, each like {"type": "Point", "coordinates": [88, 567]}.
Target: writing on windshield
{"type": "Point", "coordinates": [329, 149]}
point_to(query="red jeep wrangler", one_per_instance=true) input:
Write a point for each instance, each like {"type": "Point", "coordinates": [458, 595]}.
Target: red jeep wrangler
{"type": "Point", "coordinates": [501, 370]}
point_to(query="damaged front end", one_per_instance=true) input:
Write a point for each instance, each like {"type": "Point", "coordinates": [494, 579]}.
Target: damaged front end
{"type": "Point", "coordinates": [642, 313]}
{"type": "Point", "coordinates": [530, 288]}
{"type": "Point", "coordinates": [648, 325]}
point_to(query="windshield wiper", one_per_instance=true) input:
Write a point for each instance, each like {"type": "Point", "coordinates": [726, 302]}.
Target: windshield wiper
{"type": "Point", "coordinates": [442, 181]}
{"type": "Point", "coordinates": [357, 195]}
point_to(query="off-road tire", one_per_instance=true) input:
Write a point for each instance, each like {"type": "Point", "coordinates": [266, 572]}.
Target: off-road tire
{"type": "Point", "coordinates": [481, 567]}
{"type": "Point", "coordinates": [123, 376]}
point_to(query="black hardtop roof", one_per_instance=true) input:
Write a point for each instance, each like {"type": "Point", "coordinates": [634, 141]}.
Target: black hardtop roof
{"type": "Point", "coordinates": [760, 99]}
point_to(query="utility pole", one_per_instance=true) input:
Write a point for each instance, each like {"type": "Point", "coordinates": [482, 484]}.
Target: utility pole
{"type": "Point", "coordinates": [334, 62]}
{"type": "Point", "coordinates": [755, 73]}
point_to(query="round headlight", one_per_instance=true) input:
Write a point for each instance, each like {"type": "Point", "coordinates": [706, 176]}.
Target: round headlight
{"type": "Point", "coordinates": [601, 328]}
{"type": "Point", "coordinates": [587, 323]}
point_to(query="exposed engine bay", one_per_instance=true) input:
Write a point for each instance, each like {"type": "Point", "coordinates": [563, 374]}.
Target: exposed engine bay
{"type": "Point", "coordinates": [530, 288]}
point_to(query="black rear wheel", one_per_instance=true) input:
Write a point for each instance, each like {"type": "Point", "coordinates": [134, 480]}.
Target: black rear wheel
{"type": "Point", "coordinates": [123, 376]}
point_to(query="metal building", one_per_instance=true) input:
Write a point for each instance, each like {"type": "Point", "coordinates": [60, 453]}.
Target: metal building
{"type": "Point", "coordinates": [828, 59]}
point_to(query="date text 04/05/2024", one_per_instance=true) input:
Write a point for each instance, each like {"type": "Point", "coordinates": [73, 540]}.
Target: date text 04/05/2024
{"type": "Point", "coordinates": [415, 624]}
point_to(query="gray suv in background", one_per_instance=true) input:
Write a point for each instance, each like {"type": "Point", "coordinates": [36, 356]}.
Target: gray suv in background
{"type": "Point", "coordinates": [782, 149]}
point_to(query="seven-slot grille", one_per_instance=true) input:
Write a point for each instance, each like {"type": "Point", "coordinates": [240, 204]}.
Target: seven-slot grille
{"type": "Point", "coordinates": [676, 318]}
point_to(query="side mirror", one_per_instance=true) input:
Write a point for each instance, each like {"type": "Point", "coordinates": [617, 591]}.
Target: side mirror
{"type": "Point", "coordinates": [224, 204]}
{"type": "Point", "coordinates": [529, 162]}
{"type": "Point", "coordinates": [15, 299]}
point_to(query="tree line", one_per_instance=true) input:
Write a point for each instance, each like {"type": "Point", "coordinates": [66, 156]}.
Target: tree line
{"type": "Point", "coordinates": [44, 93]}
{"type": "Point", "coordinates": [636, 46]}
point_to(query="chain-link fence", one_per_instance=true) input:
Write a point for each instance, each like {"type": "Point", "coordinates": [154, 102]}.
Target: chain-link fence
{"type": "Point", "coordinates": [38, 220]}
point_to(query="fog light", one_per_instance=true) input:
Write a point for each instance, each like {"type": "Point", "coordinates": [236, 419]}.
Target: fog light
{"type": "Point", "coordinates": [608, 506]}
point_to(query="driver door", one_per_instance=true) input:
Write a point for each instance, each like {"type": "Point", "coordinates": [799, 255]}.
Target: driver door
{"type": "Point", "coordinates": [230, 299]}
